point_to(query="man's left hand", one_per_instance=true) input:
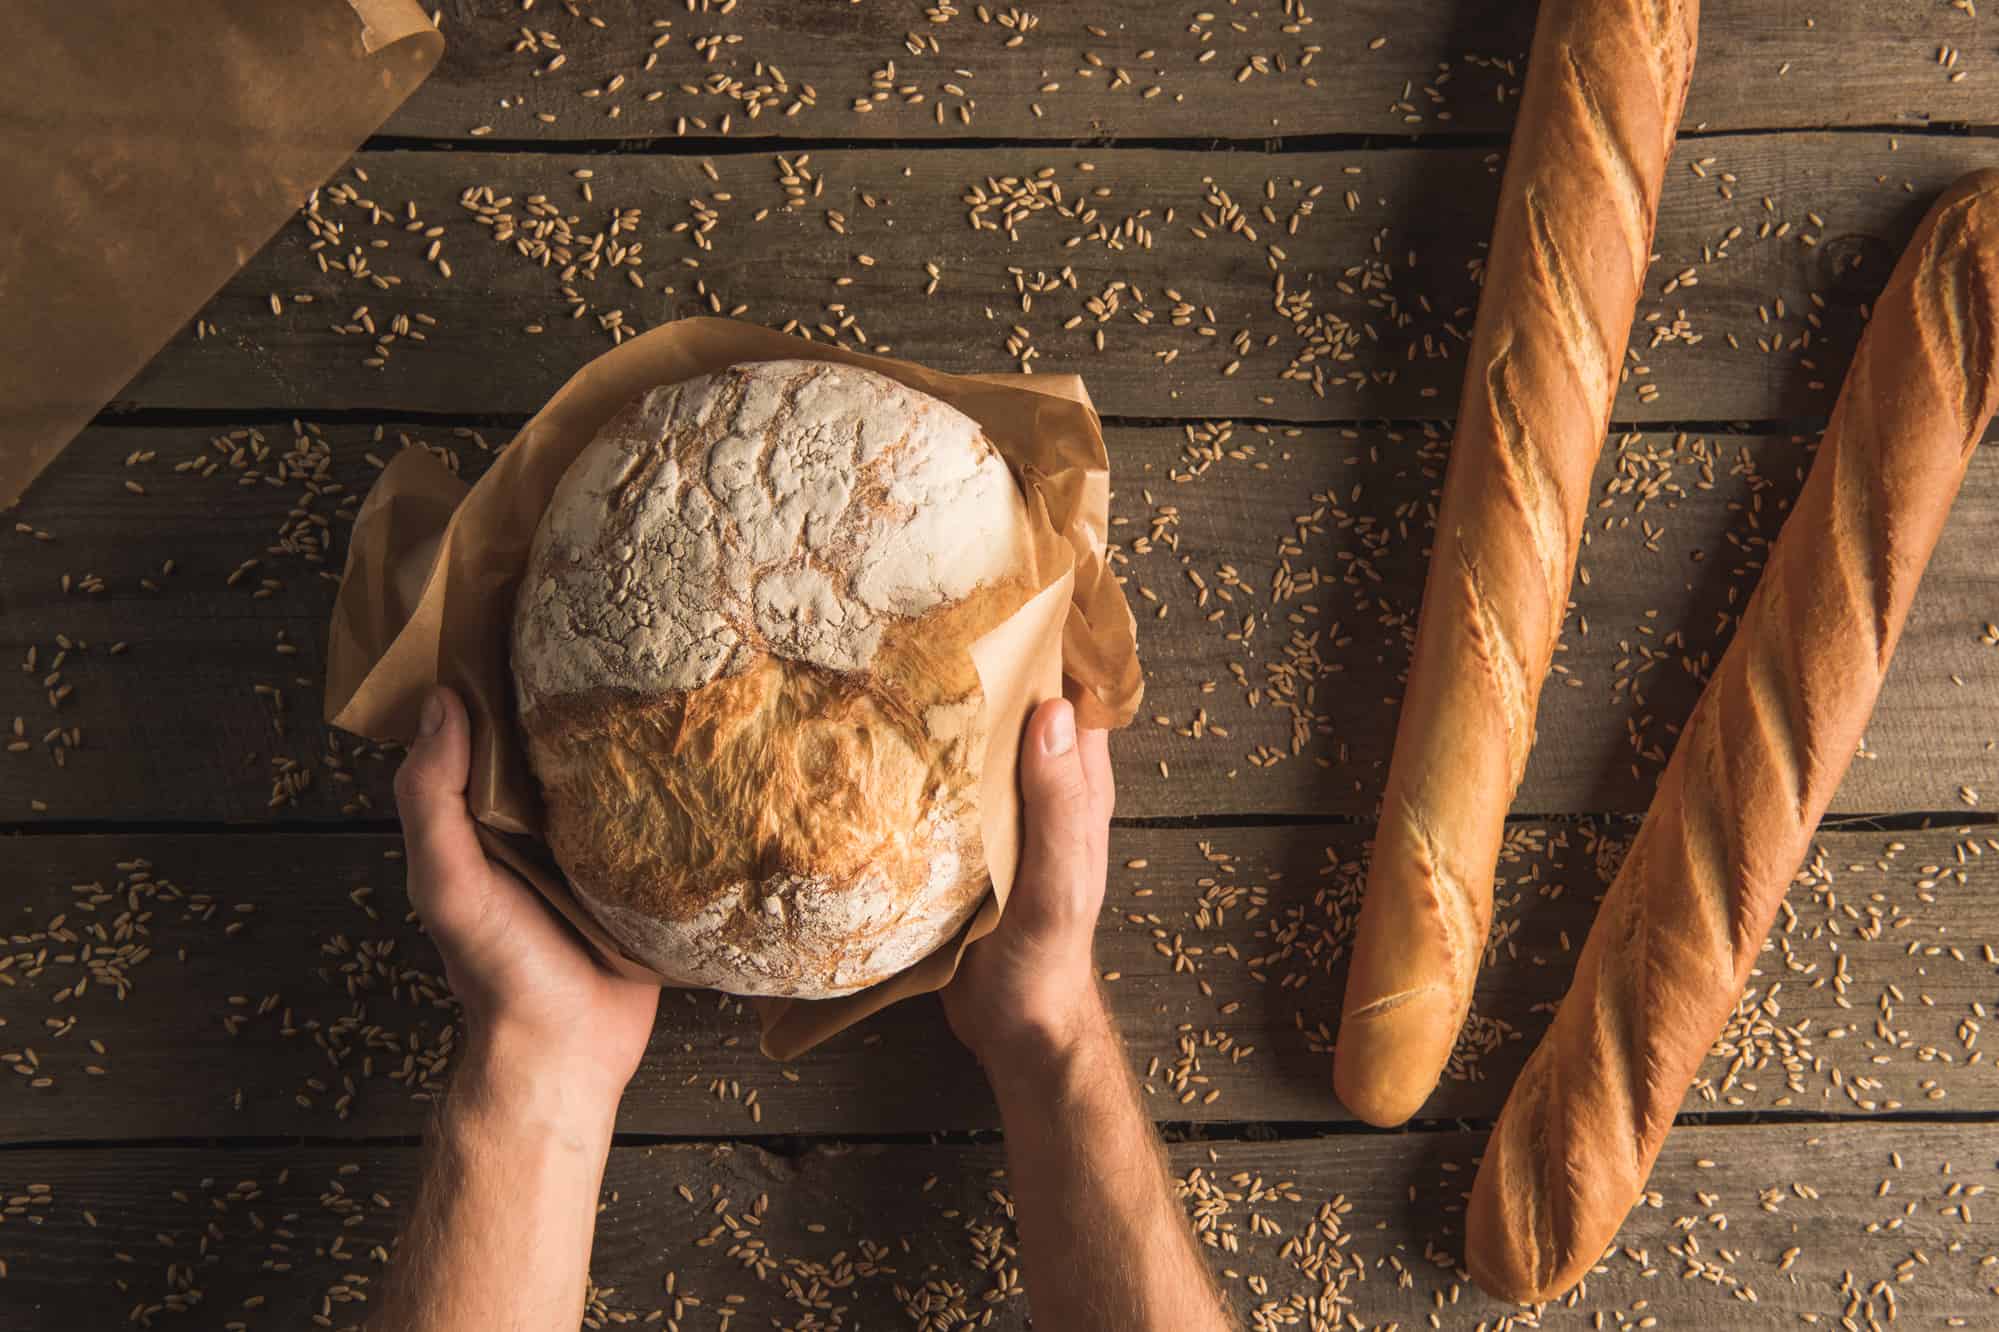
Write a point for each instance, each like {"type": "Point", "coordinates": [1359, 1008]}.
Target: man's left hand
{"type": "Point", "coordinates": [537, 1002]}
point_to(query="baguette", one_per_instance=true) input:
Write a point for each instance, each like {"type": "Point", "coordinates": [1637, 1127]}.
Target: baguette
{"type": "Point", "coordinates": [1762, 754]}
{"type": "Point", "coordinates": [1570, 244]}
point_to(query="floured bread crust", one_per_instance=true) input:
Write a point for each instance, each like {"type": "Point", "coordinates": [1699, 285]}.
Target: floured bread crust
{"type": "Point", "coordinates": [740, 658]}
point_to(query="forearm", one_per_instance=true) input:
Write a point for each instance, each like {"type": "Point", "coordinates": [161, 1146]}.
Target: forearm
{"type": "Point", "coordinates": [1103, 1241]}
{"type": "Point", "coordinates": [499, 1235]}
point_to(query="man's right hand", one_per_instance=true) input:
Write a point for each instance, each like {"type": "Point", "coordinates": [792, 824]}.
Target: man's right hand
{"type": "Point", "coordinates": [1103, 1241]}
{"type": "Point", "coordinates": [1029, 988]}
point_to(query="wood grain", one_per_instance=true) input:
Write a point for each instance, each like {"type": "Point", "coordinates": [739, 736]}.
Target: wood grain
{"type": "Point", "coordinates": [184, 725]}
{"type": "Point", "coordinates": [322, 1011]}
{"type": "Point", "coordinates": [1750, 1227]}
{"type": "Point", "coordinates": [1378, 289]}
{"type": "Point", "coordinates": [1376, 67]}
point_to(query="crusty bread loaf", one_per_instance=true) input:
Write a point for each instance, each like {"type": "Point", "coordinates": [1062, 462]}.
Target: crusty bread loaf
{"type": "Point", "coordinates": [1675, 939]}
{"type": "Point", "coordinates": [740, 654]}
{"type": "Point", "coordinates": [1570, 244]}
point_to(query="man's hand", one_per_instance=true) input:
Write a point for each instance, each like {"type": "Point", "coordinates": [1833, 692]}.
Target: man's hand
{"type": "Point", "coordinates": [1103, 1242]}
{"type": "Point", "coordinates": [537, 1003]}
{"type": "Point", "coordinates": [499, 1233]}
{"type": "Point", "coordinates": [1029, 989]}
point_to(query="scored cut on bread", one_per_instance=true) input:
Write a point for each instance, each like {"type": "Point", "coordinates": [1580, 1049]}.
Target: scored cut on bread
{"type": "Point", "coordinates": [1760, 758]}
{"type": "Point", "coordinates": [1606, 82]}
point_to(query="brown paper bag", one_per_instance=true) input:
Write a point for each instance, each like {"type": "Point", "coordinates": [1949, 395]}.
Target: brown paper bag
{"type": "Point", "coordinates": [147, 150]}
{"type": "Point", "coordinates": [432, 567]}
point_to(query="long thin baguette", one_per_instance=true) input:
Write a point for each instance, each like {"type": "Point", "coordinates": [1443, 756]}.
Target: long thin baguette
{"type": "Point", "coordinates": [1761, 756]}
{"type": "Point", "coordinates": [1605, 86]}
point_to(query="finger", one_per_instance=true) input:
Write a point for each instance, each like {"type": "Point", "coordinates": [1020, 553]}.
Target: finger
{"type": "Point", "coordinates": [442, 848]}
{"type": "Point", "coordinates": [1058, 849]}
{"type": "Point", "coordinates": [1095, 746]}
{"type": "Point", "coordinates": [1053, 782]}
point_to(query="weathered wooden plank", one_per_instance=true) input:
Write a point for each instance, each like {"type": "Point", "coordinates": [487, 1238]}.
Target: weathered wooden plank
{"type": "Point", "coordinates": [1144, 250]}
{"type": "Point", "coordinates": [1752, 1227]}
{"type": "Point", "coordinates": [295, 997]}
{"type": "Point", "coordinates": [184, 725]}
{"type": "Point", "coordinates": [1292, 583]}
{"type": "Point", "coordinates": [1133, 69]}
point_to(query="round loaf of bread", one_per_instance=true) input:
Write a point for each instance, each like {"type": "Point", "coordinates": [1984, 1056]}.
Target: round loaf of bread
{"type": "Point", "coordinates": [740, 655]}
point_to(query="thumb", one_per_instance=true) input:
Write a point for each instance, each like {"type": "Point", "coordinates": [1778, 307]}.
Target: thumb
{"type": "Point", "coordinates": [430, 795]}
{"type": "Point", "coordinates": [1055, 790]}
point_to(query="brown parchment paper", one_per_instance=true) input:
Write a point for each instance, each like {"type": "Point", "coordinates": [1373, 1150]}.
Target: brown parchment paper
{"type": "Point", "coordinates": [432, 566]}
{"type": "Point", "coordinates": [148, 148]}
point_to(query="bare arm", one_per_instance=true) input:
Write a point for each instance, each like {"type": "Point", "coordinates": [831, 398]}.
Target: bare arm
{"type": "Point", "coordinates": [1103, 1242]}
{"type": "Point", "coordinates": [499, 1235]}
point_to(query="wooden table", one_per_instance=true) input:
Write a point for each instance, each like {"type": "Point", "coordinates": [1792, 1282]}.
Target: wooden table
{"type": "Point", "coordinates": [1256, 232]}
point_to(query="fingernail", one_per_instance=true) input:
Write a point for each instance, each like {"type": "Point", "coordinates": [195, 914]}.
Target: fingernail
{"type": "Point", "coordinates": [433, 714]}
{"type": "Point", "coordinates": [1061, 737]}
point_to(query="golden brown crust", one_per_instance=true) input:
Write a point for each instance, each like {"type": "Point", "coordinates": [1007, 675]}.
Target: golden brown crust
{"type": "Point", "coordinates": [1605, 86]}
{"type": "Point", "coordinates": [662, 802]}
{"type": "Point", "coordinates": [1761, 756]}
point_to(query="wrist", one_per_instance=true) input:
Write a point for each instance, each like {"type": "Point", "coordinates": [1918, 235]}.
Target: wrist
{"type": "Point", "coordinates": [501, 1081]}
{"type": "Point", "coordinates": [1040, 1046]}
